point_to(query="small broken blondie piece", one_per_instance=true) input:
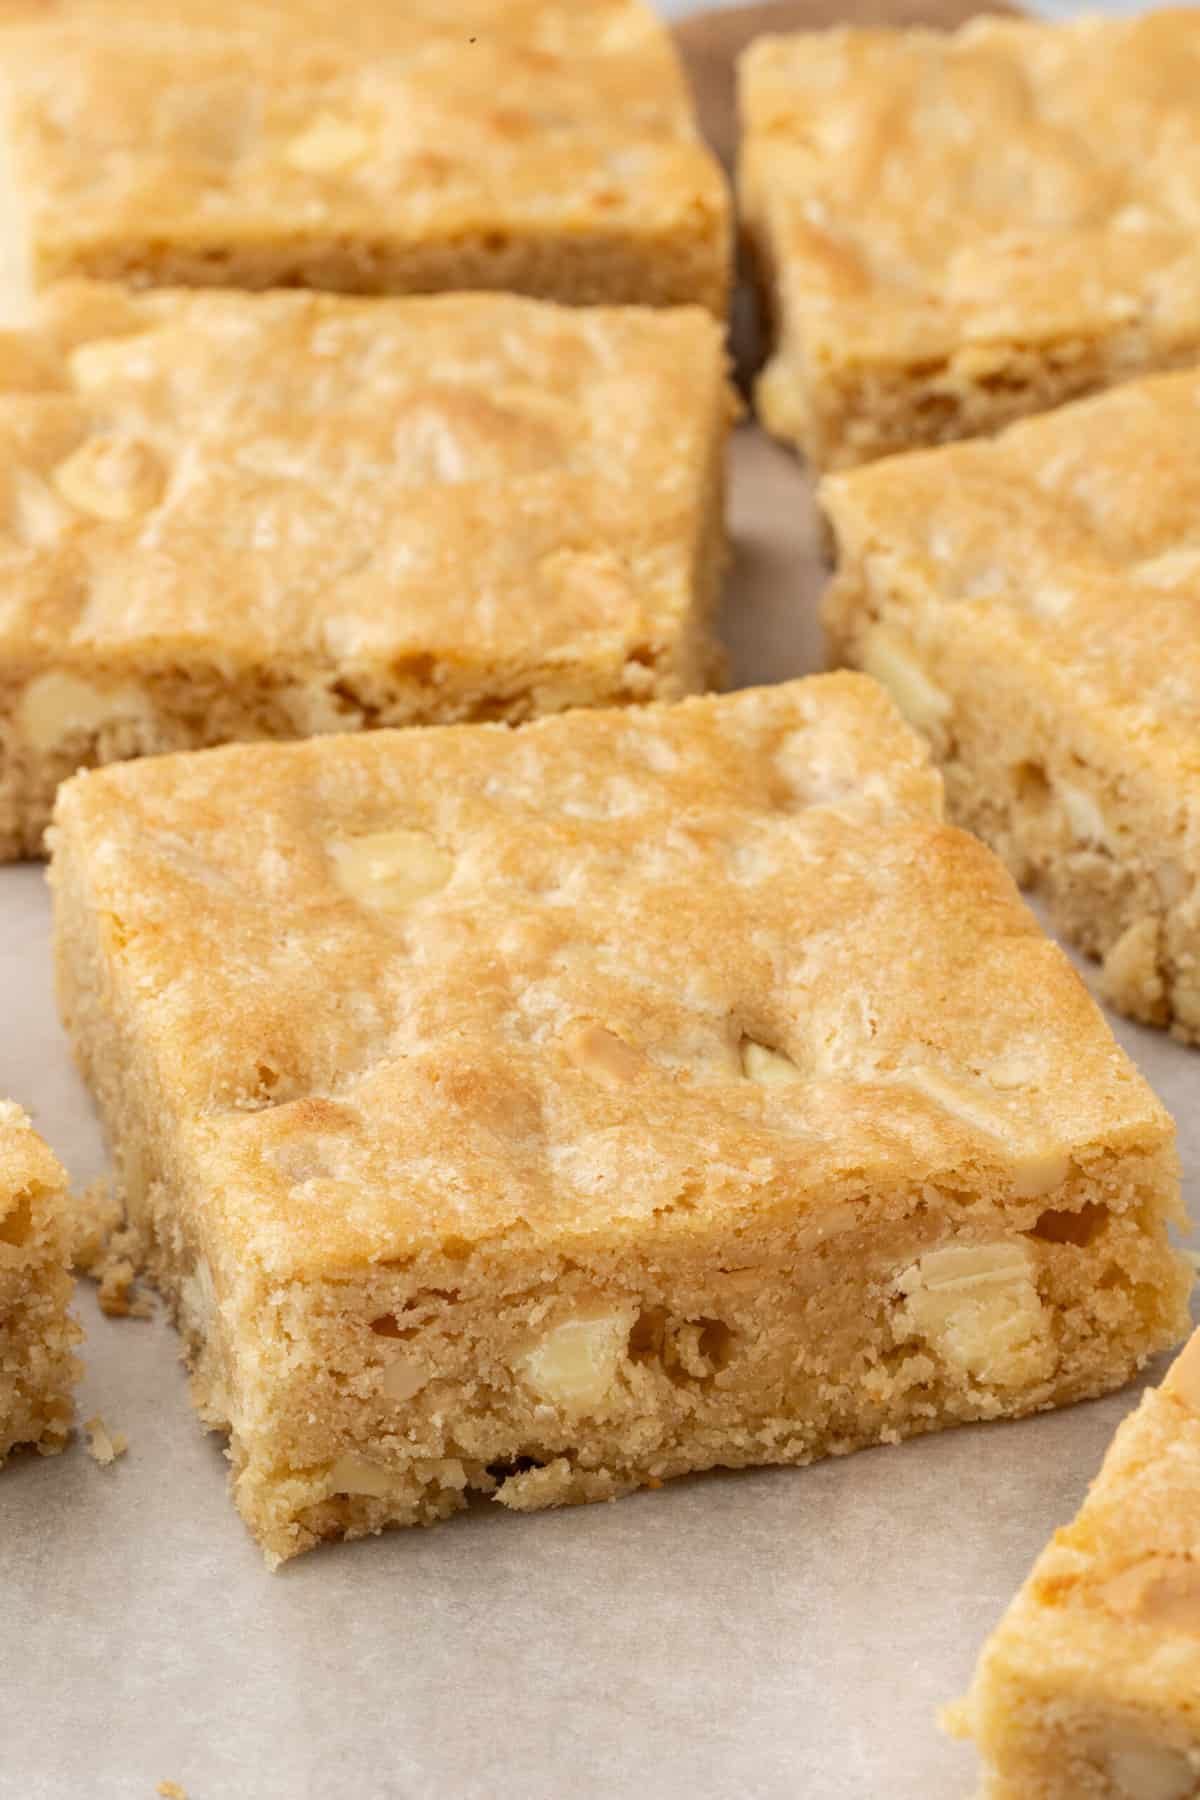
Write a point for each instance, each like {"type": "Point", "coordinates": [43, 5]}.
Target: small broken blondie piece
{"type": "Point", "coordinates": [955, 230]}
{"type": "Point", "coordinates": [545, 147]}
{"type": "Point", "coordinates": [37, 1332]}
{"type": "Point", "coordinates": [1089, 1688]}
{"type": "Point", "coordinates": [545, 1113]}
{"type": "Point", "coordinates": [1032, 601]}
{"type": "Point", "coordinates": [241, 516]}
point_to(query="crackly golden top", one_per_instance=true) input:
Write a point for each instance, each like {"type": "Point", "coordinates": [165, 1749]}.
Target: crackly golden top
{"type": "Point", "coordinates": [1076, 533]}
{"type": "Point", "coordinates": [480, 478]}
{"type": "Point", "coordinates": [1011, 183]}
{"type": "Point", "coordinates": [223, 122]}
{"type": "Point", "coordinates": [1113, 1602]}
{"type": "Point", "coordinates": [27, 1167]}
{"type": "Point", "coordinates": [581, 977]}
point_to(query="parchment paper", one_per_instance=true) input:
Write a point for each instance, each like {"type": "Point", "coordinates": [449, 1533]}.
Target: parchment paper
{"type": "Point", "coordinates": [770, 1634]}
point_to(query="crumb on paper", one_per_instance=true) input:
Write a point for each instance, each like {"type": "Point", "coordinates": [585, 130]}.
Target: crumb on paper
{"type": "Point", "coordinates": [105, 1249]}
{"type": "Point", "coordinates": [104, 1446]}
{"type": "Point", "coordinates": [171, 1790]}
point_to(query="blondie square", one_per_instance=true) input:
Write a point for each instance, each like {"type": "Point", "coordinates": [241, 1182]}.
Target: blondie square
{"type": "Point", "coordinates": [1089, 1688]}
{"type": "Point", "coordinates": [545, 1113]}
{"type": "Point", "coordinates": [37, 1333]}
{"type": "Point", "coordinates": [1033, 602]}
{"type": "Point", "coordinates": [959, 229]}
{"type": "Point", "coordinates": [239, 516]}
{"type": "Point", "coordinates": [544, 147]}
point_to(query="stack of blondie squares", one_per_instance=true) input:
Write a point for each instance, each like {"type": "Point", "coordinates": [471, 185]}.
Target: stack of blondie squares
{"type": "Point", "coordinates": [527, 1073]}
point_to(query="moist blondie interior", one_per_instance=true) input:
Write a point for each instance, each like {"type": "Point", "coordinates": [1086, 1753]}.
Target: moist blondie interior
{"type": "Point", "coordinates": [545, 147]}
{"type": "Point", "coordinates": [544, 1113]}
{"type": "Point", "coordinates": [954, 230]}
{"type": "Point", "coordinates": [241, 516]}
{"type": "Point", "coordinates": [1089, 1688]}
{"type": "Point", "coordinates": [1033, 603]}
{"type": "Point", "coordinates": [37, 1332]}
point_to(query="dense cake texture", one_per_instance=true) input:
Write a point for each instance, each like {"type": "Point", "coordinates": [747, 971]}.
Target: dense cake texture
{"type": "Point", "coordinates": [955, 230]}
{"type": "Point", "coordinates": [1033, 603]}
{"type": "Point", "coordinates": [37, 1332]}
{"type": "Point", "coordinates": [235, 516]}
{"type": "Point", "coordinates": [544, 147]}
{"type": "Point", "coordinates": [546, 1113]}
{"type": "Point", "coordinates": [1089, 1688]}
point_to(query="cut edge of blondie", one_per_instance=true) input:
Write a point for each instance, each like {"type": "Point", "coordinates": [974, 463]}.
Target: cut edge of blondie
{"type": "Point", "coordinates": [37, 1333]}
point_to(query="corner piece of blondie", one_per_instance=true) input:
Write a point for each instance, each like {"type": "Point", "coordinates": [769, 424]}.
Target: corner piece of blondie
{"type": "Point", "coordinates": [545, 147]}
{"type": "Point", "coordinates": [545, 1113]}
{"type": "Point", "coordinates": [37, 1332]}
{"type": "Point", "coordinates": [1089, 1688]}
{"type": "Point", "coordinates": [230, 516]}
{"type": "Point", "coordinates": [958, 229]}
{"type": "Point", "coordinates": [1032, 601]}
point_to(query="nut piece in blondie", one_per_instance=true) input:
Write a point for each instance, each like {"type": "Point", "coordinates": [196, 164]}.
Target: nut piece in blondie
{"type": "Point", "coordinates": [37, 1332]}
{"type": "Point", "coordinates": [229, 516]}
{"type": "Point", "coordinates": [544, 147]}
{"type": "Point", "coordinates": [545, 1113]}
{"type": "Point", "coordinates": [1032, 602]}
{"type": "Point", "coordinates": [956, 230]}
{"type": "Point", "coordinates": [1090, 1684]}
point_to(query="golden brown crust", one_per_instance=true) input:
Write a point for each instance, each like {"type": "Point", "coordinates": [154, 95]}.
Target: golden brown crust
{"type": "Point", "coordinates": [1090, 1685]}
{"type": "Point", "coordinates": [536, 145]}
{"type": "Point", "coordinates": [1043, 583]}
{"type": "Point", "coordinates": [958, 229]}
{"type": "Point", "coordinates": [233, 515]}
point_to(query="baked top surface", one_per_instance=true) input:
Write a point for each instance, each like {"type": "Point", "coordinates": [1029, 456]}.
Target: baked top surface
{"type": "Point", "coordinates": [1075, 535]}
{"type": "Point", "coordinates": [25, 1161]}
{"type": "Point", "coordinates": [215, 122]}
{"type": "Point", "coordinates": [1113, 1603]}
{"type": "Point", "coordinates": [1009, 185]}
{"type": "Point", "coordinates": [464, 982]}
{"type": "Point", "coordinates": [476, 477]}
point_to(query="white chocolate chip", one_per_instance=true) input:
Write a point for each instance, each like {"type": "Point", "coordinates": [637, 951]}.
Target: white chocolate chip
{"type": "Point", "coordinates": [328, 144]}
{"type": "Point", "coordinates": [1010, 1072]}
{"type": "Point", "coordinates": [352, 1474]}
{"type": "Point", "coordinates": [1034, 1170]}
{"type": "Point", "coordinates": [575, 1364]}
{"type": "Point", "coordinates": [601, 1054]}
{"type": "Point", "coordinates": [921, 702]}
{"type": "Point", "coordinates": [769, 1068]}
{"type": "Point", "coordinates": [404, 1378]}
{"type": "Point", "coordinates": [391, 869]}
{"type": "Point", "coordinates": [977, 1305]}
{"type": "Point", "coordinates": [113, 478]}
{"type": "Point", "coordinates": [1144, 1771]}
{"type": "Point", "coordinates": [1088, 824]}
{"type": "Point", "coordinates": [57, 708]}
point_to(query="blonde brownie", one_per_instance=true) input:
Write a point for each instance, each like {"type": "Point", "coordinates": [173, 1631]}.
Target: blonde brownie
{"type": "Point", "coordinates": [1033, 602]}
{"type": "Point", "coordinates": [236, 516]}
{"type": "Point", "coordinates": [545, 147]}
{"type": "Point", "coordinates": [1089, 1688]}
{"type": "Point", "coordinates": [959, 229]}
{"type": "Point", "coordinates": [547, 1113]}
{"type": "Point", "coordinates": [37, 1332]}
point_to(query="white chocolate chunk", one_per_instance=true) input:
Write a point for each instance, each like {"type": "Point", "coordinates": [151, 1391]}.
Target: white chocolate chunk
{"type": "Point", "coordinates": [111, 477]}
{"type": "Point", "coordinates": [601, 1054]}
{"type": "Point", "coordinates": [329, 144]}
{"type": "Point", "coordinates": [770, 1068]}
{"type": "Point", "coordinates": [977, 1305]}
{"type": "Point", "coordinates": [1088, 824]}
{"type": "Point", "coordinates": [1153, 1772]}
{"type": "Point", "coordinates": [391, 869]}
{"type": "Point", "coordinates": [575, 1365]}
{"type": "Point", "coordinates": [57, 707]}
{"type": "Point", "coordinates": [1034, 1170]}
{"type": "Point", "coordinates": [404, 1378]}
{"type": "Point", "coordinates": [352, 1474]}
{"type": "Point", "coordinates": [922, 703]}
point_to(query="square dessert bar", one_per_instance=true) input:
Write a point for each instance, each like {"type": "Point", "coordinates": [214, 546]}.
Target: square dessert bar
{"type": "Point", "coordinates": [37, 1332]}
{"type": "Point", "coordinates": [544, 1113]}
{"type": "Point", "coordinates": [238, 516]}
{"type": "Point", "coordinates": [1089, 1688]}
{"type": "Point", "coordinates": [955, 230]}
{"type": "Point", "coordinates": [545, 147]}
{"type": "Point", "coordinates": [1033, 603]}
